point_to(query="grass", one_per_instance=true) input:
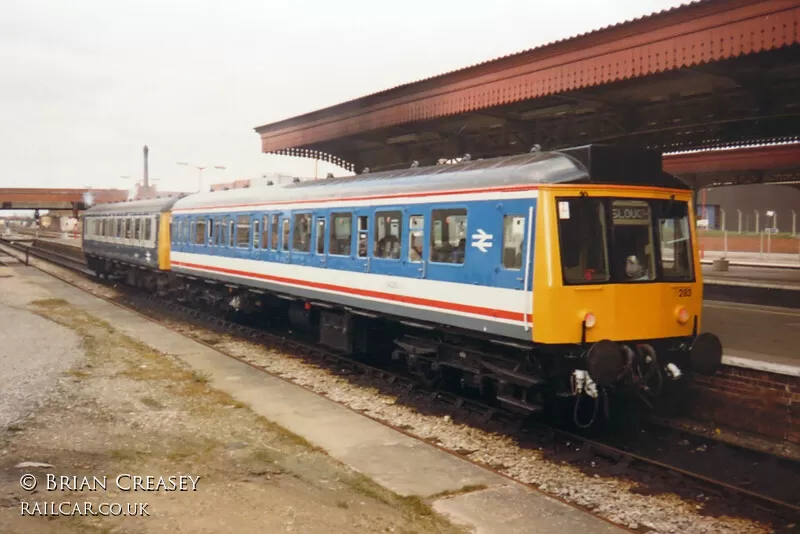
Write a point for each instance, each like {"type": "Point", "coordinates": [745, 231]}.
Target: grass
{"type": "Point", "coordinates": [470, 488]}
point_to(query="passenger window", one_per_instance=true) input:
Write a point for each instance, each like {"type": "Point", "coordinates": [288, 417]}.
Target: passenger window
{"type": "Point", "coordinates": [285, 233]}
{"type": "Point", "coordinates": [243, 231]}
{"type": "Point", "coordinates": [513, 236]}
{"type": "Point", "coordinates": [416, 237]}
{"type": "Point", "coordinates": [265, 233]}
{"type": "Point", "coordinates": [231, 232]}
{"type": "Point", "coordinates": [274, 232]}
{"type": "Point", "coordinates": [363, 233]}
{"type": "Point", "coordinates": [449, 236]}
{"type": "Point", "coordinates": [302, 232]}
{"type": "Point", "coordinates": [200, 232]}
{"type": "Point", "coordinates": [137, 228]}
{"type": "Point", "coordinates": [341, 238]}
{"type": "Point", "coordinates": [148, 229]}
{"type": "Point", "coordinates": [210, 229]}
{"type": "Point", "coordinates": [256, 233]}
{"type": "Point", "coordinates": [320, 235]}
{"type": "Point", "coordinates": [387, 234]}
{"type": "Point", "coordinates": [218, 230]}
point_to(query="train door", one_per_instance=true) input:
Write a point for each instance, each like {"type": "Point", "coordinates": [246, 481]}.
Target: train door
{"type": "Point", "coordinates": [319, 239]}
{"type": "Point", "coordinates": [284, 238]}
{"type": "Point", "coordinates": [415, 246]}
{"type": "Point", "coordinates": [363, 230]}
{"type": "Point", "coordinates": [255, 237]}
{"type": "Point", "coordinates": [513, 263]}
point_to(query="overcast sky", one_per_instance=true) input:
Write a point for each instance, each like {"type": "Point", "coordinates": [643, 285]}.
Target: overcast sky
{"type": "Point", "coordinates": [86, 83]}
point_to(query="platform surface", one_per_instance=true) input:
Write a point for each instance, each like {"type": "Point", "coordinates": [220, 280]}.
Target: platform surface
{"type": "Point", "coordinates": [756, 276]}
{"type": "Point", "coordinates": [396, 461]}
{"type": "Point", "coordinates": [751, 332]}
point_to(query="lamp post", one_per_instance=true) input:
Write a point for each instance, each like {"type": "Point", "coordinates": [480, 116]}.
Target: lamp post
{"type": "Point", "coordinates": [200, 169]}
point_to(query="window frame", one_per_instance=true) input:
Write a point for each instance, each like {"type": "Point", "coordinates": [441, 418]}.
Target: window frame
{"type": "Point", "coordinates": [431, 235]}
{"type": "Point", "coordinates": [333, 216]}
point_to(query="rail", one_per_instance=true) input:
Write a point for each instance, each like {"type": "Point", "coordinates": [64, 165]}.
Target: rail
{"type": "Point", "coordinates": [760, 484]}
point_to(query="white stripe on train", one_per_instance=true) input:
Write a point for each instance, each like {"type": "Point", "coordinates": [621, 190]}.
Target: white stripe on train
{"type": "Point", "coordinates": [515, 301]}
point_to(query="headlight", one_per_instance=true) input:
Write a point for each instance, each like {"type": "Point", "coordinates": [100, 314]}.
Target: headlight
{"type": "Point", "coordinates": [589, 320]}
{"type": "Point", "coordinates": [682, 315]}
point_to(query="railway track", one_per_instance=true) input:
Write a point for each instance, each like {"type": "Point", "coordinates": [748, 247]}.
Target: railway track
{"type": "Point", "coordinates": [665, 460]}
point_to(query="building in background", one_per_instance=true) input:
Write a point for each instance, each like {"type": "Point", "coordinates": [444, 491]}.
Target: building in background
{"type": "Point", "coordinates": [262, 181]}
{"type": "Point", "coordinates": [777, 206]}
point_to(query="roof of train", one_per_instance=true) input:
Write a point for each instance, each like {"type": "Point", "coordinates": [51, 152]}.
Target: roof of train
{"type": "Point", "coordinates": [150, 205]}
{"type": "Point", "coordinates": [592, 164]}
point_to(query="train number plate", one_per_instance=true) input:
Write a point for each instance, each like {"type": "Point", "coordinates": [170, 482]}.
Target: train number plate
{"type": "Point", "coordinates": [684, 292]}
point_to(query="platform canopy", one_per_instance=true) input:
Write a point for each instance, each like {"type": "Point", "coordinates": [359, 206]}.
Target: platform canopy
{"type": "Point", "coordinates": [703, 74]}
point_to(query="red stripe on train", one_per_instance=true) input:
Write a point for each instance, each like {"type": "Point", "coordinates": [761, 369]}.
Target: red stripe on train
{"type": "Point", "coordinates": [452, 306]}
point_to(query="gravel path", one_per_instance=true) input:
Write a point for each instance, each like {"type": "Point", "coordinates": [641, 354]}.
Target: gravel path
{"type": "Point", "coordinates": [34, 351]}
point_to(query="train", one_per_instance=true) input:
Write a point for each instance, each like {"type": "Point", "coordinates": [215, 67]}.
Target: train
{"type": "Point", "coordinates": [524, 279]}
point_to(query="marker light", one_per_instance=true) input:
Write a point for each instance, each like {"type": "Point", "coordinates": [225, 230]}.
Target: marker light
{"type": "Point", "coordinates": [683, 315]}
{"type": "Point", "coordinates": [589, 320]}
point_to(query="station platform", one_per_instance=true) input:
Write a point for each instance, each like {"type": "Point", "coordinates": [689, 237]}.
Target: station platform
{"type": "Point", "coordinates": [755, 259]}
{"type": "Point", "coordinates": [756, 337]}
{"type": "Point", "coordinates": [766, 277]}
{"type": "Point", "coordinates": [469, 495]}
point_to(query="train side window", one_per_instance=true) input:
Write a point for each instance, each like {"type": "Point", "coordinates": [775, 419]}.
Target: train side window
{"type": "Point", "coordinates": [231, 232]}
{"type": "Point", "coordinates": [274, 233]}
{"type": "Point", "coordinates": [218, 230]}
{"type": "Point", "coordinates": [449, 236]}
{"type": "Point", "coordinates": [243, 231]}
{"type": "Point", "coordinates": [200, 232]}
{"type": "Point", "coordinates": [320, 235]}
{"type": "Point", "coordinates": [265, 233]}
{"type": "Point", "coordinates": [341, 237]}
{"type": "Point", "coordinates": [363, 233]}
{"type": "Point", "coordinates": [148, 229]}
{"type": "Point", "coordinates": [210, 230]}
{"type": "Point", "coordinates": [256, 233]}
{"type": "Point", "coordinates": [128, 228]}
{"type": "Point", "coordinates": [285, 233]}
{"type": "Point", "coordinates": [513, 236]}
{"type": "Point", "coordinates": [137, 228]}
{"type": "Point", "coordinates": [387, 234]}
{"type": "Point", "coordinates": [302, 232]}
{"type": "Point", "coordinates": [416, 237]}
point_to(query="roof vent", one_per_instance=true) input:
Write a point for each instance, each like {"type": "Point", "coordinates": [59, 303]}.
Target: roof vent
{"type": "Point", "coordinates": [295, 180]}
{"type": "Point", "coordinates": [270, 182]}
{"type": "Point", "coordinates": [536, 148]}
{"type": "Point", "coordinates": [415, 164]}
{"type": "Point", "coordinates": [365, 171]}
{"type": "Point", "coordinates": [466, 157]}
{"type": "Point", "coordinates": [330, 175]}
